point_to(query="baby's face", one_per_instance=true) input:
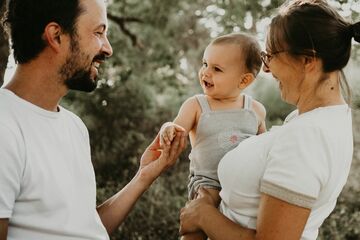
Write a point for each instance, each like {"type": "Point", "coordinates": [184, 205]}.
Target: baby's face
{"type": "Point", "coordinates": [222, 70]}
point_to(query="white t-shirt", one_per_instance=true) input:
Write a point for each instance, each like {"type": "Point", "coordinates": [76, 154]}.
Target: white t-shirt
{"type": "Point", "coordinates": [305, 162]}
{"type": "Point", "coordinates": [47, 181]}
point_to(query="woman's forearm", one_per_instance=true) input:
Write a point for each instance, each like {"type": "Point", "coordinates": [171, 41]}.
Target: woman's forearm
{"type": "Point", "coordinates": [218, 227]}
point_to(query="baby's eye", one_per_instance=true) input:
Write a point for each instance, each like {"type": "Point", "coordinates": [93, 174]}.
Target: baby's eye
{"type": "Point", "coordinates": [217, 69]}
{"type": "Point", "coordinates": [204, 64]}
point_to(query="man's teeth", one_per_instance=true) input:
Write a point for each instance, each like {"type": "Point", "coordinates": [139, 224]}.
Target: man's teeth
{"type": "Point", "coordinates": [96, 64]}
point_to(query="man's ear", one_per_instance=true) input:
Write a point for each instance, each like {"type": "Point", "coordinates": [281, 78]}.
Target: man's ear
{"type": "Point", "coordinates": [245, 80]}
{"type": "Point", "coordinates": [52, 35]}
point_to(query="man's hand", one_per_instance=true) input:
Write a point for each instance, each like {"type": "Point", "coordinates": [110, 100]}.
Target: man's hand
{"type": "Point", "coordinates": [157, 159]}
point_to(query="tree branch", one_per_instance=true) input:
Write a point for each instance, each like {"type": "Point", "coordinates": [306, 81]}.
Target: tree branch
{"type": "Point", "coordinates": [120, 21]}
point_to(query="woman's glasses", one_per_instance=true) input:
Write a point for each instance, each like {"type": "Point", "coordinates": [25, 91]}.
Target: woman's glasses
{"type": "Point", "coordinates": [266, 57]}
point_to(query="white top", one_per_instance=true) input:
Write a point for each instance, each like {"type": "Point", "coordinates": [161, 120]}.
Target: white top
{"type": "Point", "coordinates": [47, 181]}
{"type": "Point", "coordinates": [305, 162]}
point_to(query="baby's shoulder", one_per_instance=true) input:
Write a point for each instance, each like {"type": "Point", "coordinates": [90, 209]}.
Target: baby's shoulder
{"type": "Point", "coordinates": [259, 109]}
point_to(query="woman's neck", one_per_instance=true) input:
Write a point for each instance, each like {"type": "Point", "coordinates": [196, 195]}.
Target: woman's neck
{"type": "Point", "coordinates": [327, 93]}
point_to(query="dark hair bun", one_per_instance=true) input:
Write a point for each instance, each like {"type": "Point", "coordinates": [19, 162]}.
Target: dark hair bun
{"type": "Point", "coordinates": [356, 31]}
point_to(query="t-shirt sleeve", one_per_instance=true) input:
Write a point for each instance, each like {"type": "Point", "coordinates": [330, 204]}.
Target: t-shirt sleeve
{"type": "Point", "coordinates": [11, 170]}
{"type": "Point", "coordinates": [297, 166]}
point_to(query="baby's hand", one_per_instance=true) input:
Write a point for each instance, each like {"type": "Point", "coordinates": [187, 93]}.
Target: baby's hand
{"type": "Point", "coordinates": [168, 132]}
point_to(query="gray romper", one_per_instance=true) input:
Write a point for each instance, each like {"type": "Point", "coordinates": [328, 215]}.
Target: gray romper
{"type": "Point", "coordinates": [217, 133]}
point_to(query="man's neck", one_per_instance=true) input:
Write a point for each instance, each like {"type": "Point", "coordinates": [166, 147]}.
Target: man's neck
{"type": "Point", "coordinates": [38, 85]}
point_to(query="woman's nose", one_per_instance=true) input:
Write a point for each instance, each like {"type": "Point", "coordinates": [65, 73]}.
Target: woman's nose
{"type": "Point", "coordinates": [266, 68]}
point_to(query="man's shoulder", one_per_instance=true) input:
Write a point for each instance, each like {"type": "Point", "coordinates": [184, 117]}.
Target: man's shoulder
{"type": "Point", "coordinates": [74, 119]}
{"type": "Point", "coordinates": [7, 107]}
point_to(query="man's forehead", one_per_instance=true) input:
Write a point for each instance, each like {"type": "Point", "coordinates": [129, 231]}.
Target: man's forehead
{"type": "Point", "coordinates": [93, 6]}
{"type": "Point", "coordinates": [94, 10]}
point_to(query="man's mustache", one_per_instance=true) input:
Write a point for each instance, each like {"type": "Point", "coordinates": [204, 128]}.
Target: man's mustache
{"type": "Point", "coordinates": [100, 57]}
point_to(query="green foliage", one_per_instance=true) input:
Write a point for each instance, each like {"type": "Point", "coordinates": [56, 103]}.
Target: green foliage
{"type": "Point", "coordinates": [157, 212]}
{"type": "Point", "coordinates": [267, 92]}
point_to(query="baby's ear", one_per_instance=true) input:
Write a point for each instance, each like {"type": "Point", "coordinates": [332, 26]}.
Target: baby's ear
{"type": "Point", "coordinates": [245, 80]}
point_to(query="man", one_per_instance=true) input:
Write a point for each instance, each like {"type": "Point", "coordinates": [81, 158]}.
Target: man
{"type": "Point", "coordinates": [47, 183]}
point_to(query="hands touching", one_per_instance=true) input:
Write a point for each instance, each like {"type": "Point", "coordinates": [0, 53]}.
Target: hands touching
{"type": "Point", "coordinates": [168, 131]}
{"type": "Point", "coordinates": [157, 159]}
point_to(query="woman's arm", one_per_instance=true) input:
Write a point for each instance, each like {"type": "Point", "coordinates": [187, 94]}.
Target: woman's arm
{"type": "Point", "coordinates": [3, 228]}
{"type": "Point", "coordinates": [277, 219]}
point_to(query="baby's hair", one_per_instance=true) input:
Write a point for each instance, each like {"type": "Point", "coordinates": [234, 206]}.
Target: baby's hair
{"type": "Point", "coordinates": [249, 48]}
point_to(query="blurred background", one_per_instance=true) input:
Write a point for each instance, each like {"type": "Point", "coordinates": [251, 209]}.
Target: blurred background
{"type": "Point", "coordinates": [158, 47]}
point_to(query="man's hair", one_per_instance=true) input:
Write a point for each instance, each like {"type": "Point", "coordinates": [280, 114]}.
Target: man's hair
{"type": "Point", "coordinates": [249, 49]}
{"type": "Point", "coordinates": [27, 19]}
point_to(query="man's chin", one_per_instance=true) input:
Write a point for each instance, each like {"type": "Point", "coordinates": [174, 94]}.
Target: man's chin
{"type": "Point", "coordinates": [82, 85]}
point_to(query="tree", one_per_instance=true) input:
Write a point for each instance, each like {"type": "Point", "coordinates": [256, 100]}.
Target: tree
{"type": "Point", "coordinates": [4, 44]}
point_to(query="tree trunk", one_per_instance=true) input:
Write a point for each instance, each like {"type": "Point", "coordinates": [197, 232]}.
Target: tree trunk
{"type": "Point", "coordinates": [4, 45]}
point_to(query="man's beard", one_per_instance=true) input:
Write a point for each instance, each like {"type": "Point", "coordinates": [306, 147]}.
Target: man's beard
{"type": "Point", "coordinates": [78, 77]}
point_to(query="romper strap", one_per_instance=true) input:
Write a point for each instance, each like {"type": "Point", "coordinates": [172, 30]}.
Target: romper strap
{"type": "Point", "coordinates": [204, 104]}
{"type": "Point", "coordinates": [247, 101]}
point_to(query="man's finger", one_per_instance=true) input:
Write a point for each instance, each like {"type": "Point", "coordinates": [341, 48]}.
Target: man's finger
{"type": "Point", "coordinates": [175, 149]}
{"type": "Point", "coordinates": [155, 145]}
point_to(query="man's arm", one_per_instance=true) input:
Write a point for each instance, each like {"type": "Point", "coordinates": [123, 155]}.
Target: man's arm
{"type": "Point", "coordinates": [3, 228]}
{"type": "Point", "coordinates": [153, 162]}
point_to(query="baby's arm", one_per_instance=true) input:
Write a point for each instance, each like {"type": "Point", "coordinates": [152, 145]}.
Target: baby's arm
{"type": "Point", "coordinates": [261, 114]}
{"type": "Point", "coordinates": [168, 132]}
{"type": "Point", "coordinates": [184, 121]}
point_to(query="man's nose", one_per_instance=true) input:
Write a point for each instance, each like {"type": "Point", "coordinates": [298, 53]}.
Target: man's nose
{"type": "Point", "coordinates": [107, 49]}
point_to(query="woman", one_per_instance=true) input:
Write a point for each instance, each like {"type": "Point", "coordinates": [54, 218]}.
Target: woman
{"type": "Point", "coordinates": [284, 183]}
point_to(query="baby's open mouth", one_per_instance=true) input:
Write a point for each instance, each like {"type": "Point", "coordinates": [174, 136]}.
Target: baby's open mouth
{"type": "Point", "coordinates": [207, 84]}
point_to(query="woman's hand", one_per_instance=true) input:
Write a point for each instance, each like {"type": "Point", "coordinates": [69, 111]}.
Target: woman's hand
{"type": "Point", "coordinates": [192, 214]}
{"type": "Point", "coordinates": [157, 159]}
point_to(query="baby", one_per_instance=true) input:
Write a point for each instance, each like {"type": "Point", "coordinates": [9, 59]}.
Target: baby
{"type": "Point", "coordinates": [219, 119]}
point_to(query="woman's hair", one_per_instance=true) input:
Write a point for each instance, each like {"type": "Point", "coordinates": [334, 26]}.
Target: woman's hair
{"type": "Point", "coordinates": [27, 20]}
{"type": "Point", "coordinates": [313, 28]}
{"type": "Point", "coordinates": [249, 49]}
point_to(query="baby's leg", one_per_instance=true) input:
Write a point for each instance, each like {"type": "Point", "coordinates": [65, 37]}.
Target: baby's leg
{"type": "Point", "coordinates": [201, 235]}
{"type": "Point", "coordinates": [214, 195]}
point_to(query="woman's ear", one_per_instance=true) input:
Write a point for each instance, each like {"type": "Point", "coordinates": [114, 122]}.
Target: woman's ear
{"type": "Point", "coordinates": [311, 63]}
{"type": "Point", "coordinates": [245, 80]}
{"type": "Point", "coordinates": [52, 35]}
